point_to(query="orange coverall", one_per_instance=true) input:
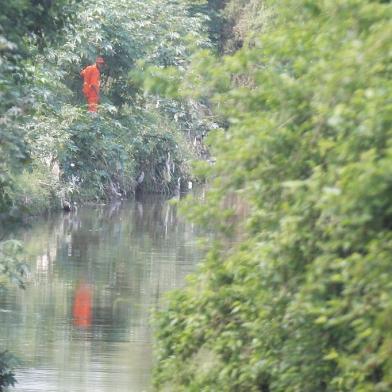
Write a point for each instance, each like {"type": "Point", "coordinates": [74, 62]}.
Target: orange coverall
{"type": "Point", "coordinates": [91, 76]}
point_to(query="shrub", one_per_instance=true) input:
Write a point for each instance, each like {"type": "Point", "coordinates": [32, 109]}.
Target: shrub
{"type": "Point", "coordinates": [14, 270]}
{"type": "Point", "coordinates": [302, 300]}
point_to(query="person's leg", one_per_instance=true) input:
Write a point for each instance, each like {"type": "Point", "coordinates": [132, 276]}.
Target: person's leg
{"type": "Point", "coordinates": [92, 101]}
{"type": "Point", "coordinates": [86, 93]}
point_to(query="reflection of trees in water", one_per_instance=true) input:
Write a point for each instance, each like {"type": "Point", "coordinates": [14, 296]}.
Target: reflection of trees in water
{"type": "Point", "coordinates": [128, 253]}
{"type": "Point", "coordinates": [155, 216]}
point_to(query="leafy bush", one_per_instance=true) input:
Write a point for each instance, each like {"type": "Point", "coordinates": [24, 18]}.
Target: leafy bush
{"type": "Point", "coordinates": [25, 27]}
{"type": "Point", "coordinates": [14, 270]}
{"type": "Point", "coordinates": [45, 112]}
{"type": "Point", "coordinates": [7, 364]}
{"type": "Point", "coordinates": [302, 300]}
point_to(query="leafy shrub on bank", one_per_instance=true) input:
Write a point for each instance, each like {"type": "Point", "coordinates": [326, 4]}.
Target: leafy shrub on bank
{"type": "Point", "coordinates": [45, 112]}
{"type": "Point", "coordinates": [25, 27]}
{"type": "Point", "coordinates": [12, 270]}
{"type": "Point", "coordinates": [302, 300]}
{"type": "Point", "coordinates": [7, 365]}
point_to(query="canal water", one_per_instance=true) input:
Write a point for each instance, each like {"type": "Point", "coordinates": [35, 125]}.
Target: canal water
{"type": "Point", "coordinates": [83, 321]}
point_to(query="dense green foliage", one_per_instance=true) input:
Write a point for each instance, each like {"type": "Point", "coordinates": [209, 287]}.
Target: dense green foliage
{"type": "Point", "coordinates": [7, 364]}
{"type": "Point", "coordinates": [12, 270]}
{"type": "Point", "coordinates": [296, 294]}
{"type": "Point", "coordinates": [51, 151]}
{"type": "Point", "coordinates": [24, 25]}
{"type": "Point", "coordinates": [48, 142]}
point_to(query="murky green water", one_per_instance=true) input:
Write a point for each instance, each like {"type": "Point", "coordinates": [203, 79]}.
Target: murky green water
{"type": "Point", "coordinates": [82, 324]}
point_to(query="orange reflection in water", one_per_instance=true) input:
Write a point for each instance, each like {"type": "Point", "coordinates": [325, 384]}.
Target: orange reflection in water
{"type": "Point", "coordinates": [82, 306]}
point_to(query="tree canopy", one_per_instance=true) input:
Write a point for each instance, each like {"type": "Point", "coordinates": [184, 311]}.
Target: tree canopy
{"type": "Point", "coordinates": [51, 149]}
{"type": "Point", "coordinates": [295, 293]}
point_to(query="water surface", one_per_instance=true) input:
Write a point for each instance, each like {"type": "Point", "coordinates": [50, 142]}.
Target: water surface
{"type": "Point", "coordinates": [83, 322]}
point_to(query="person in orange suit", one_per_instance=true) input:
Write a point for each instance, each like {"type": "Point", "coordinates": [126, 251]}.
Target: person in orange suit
{"type": "Point", "coordinates": [91, 81]}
